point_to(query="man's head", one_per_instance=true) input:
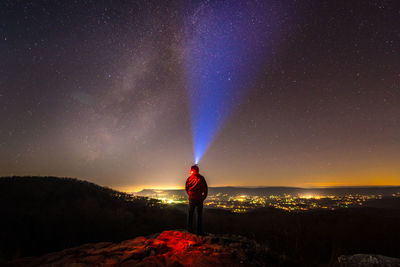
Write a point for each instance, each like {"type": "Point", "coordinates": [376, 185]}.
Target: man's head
{"type": "Point", "coordinates": [194, 169]}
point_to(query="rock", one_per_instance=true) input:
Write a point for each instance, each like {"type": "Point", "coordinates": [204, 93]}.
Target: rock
{"type": "Point", "coordinates": [367, 260]}
{"type": "Point", "coordinates": [169, 248]}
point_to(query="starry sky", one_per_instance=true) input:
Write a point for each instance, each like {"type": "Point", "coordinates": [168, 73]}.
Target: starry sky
{"type": "Point", "coordinates": [98, 90]}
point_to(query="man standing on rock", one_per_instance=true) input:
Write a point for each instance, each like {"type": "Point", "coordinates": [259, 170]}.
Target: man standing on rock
{"type": "Point", "coordinates": [196, 188]}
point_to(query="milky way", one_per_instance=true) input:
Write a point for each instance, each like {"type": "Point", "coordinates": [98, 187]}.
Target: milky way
{"type": "Point", "coordinates": [98, 90]}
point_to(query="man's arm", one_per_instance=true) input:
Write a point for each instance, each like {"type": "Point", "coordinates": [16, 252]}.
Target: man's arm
{"type": "Point", "coordinates": [205, 188]}
{"type": "Point", "coordinates": [187, 186]}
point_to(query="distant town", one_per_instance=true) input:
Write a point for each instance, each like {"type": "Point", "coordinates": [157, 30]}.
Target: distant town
{"type": "Point", "coordinates": [290, 199]}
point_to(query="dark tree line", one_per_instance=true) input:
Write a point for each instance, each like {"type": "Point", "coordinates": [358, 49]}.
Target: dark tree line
{"type": "Point", "coordinates": [314, 237]}
{"type": "Point", "coordinates": [44, 214]}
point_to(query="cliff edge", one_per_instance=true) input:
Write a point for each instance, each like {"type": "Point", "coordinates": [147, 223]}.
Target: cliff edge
{"type": "Point", "coordinates": [180, 248]}
{"type": "Point", "coordinates": [169, 248]}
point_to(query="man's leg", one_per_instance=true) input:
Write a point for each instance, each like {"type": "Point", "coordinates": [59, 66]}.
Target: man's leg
{"type": "Point", "coordinates": [200, 218]}
{"type": "Point", "coordinates": [190, 217]}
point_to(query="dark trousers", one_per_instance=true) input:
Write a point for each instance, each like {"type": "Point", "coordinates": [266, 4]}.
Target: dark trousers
{"type": "Point", "coordinates": [195, 204]}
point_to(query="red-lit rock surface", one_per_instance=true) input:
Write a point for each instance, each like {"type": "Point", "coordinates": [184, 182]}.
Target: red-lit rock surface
{"type": "Point", "coordinates": [170, 248]}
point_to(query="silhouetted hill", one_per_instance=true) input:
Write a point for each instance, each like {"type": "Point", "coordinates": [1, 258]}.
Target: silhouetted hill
{"type": "Point", "coordinates": [48, 214]}
{"type": "Point", "coordinates": [44, 214]}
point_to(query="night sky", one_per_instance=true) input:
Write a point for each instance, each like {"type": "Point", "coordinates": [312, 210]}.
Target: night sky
{"type": "Point", "coordinates": [100, 90]}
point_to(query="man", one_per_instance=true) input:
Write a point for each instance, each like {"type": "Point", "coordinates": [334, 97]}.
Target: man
{"type": "Point", "coordinates": [196, 188]}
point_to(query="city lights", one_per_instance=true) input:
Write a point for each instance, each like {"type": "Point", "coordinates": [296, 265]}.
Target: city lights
{"type": "Point", "coordinates": [242, 203]}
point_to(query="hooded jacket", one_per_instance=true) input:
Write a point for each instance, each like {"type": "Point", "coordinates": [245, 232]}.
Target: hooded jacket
{"type": "Point", "coordinates": [196, 187]}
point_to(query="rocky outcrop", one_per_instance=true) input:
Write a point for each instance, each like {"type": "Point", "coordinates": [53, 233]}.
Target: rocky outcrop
{"type": "Point", "coordinates": [170, 248]}
{"type": "Point", "coordinates": [367, 260]}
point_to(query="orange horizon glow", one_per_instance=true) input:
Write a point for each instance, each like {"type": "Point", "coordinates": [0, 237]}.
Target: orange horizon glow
{"type": "Point", "coordinates": [136, 189]}
{"type": "Point", "coordinates": [361, 178]}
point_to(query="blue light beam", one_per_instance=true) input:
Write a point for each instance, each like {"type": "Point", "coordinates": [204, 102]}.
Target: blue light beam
{"type": "Point", "coordinates": [226, 43]}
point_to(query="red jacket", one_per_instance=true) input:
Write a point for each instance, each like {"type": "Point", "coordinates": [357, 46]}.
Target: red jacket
{"type": "Point", "coordinates": [196, 187]}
